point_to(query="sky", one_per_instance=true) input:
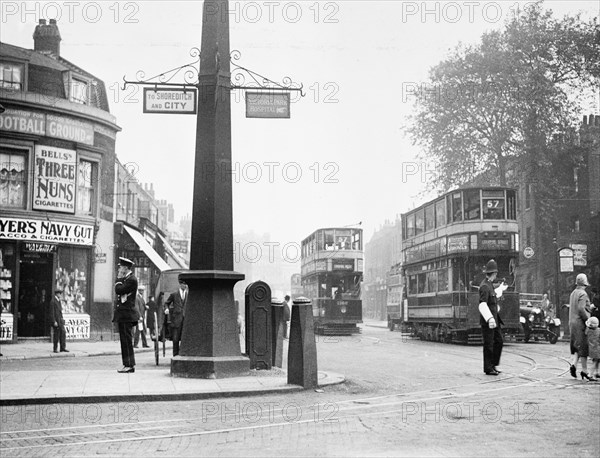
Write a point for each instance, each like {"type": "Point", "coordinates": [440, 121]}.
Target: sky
{"type": "Point", "coordinates": [342, 158]}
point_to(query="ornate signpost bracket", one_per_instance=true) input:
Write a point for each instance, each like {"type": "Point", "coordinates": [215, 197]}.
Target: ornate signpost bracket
{"type": "Point", "coordinates": [242, 78]}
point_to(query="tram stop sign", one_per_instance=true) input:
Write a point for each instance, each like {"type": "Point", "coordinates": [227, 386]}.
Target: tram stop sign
{"type": "Point", "coordinates": [565, 259]}
{"type": "Point", "coordinates": [528, 252]}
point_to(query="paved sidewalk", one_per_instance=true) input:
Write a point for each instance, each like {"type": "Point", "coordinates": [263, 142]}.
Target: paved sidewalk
{"type": "Point", "coordinates": [148, 383]}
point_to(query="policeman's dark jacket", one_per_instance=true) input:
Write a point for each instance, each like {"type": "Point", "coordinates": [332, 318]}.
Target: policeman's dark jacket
{"type": "Point", "coordinates": [488, 295]}
{"type": "Point", "coordinates": [125, 307]}
{"type": "Point", "coordinates": [56, 315]}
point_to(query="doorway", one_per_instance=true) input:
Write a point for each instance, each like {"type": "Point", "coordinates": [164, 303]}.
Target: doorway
{"type": "Point", "coordinates": [35, 292]}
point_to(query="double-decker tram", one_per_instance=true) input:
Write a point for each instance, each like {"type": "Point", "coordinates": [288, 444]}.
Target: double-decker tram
{"type": "Point", "coordinates": [446, 244]}
{"type": "Point", "coordinates": [332, 272]}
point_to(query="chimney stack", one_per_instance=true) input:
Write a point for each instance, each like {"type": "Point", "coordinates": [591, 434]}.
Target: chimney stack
{"type": "Point", "coordinates": [46, 38]}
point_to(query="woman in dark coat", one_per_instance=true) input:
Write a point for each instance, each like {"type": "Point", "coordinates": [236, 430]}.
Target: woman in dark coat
{"type": "Point", "coordinates": [579, 312]}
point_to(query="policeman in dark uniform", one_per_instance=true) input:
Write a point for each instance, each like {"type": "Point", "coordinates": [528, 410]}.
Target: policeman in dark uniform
{"type": "Point", "coordinates": [490, 321]}
{"type": "Point", "coordinates": [126, 313]}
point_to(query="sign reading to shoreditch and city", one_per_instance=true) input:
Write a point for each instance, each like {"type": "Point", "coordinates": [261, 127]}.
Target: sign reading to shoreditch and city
{"type": "Point", "coordinates": [54, 179]}
{"type": "Point", "coordinates": [31, 122]}
{"type": "Point", "coordinates": [46, 231]}
{"type": "Point", "coordinates": [174, 101]}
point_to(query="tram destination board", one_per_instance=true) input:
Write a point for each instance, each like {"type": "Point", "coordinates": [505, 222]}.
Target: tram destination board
{"type": "Point", "coordinates": [267, 105]}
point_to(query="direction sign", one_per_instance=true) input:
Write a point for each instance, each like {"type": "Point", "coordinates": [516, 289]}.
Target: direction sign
{"type": "Point", "coordinates": [267, 105]}
{"type": "Point", "coordinates": [528, 252]}
{"type": "Point", "coordinates": [173, 101]}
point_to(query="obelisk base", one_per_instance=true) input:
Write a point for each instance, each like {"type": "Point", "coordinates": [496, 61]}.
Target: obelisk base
{"type": "Point", "coordinates": [210, 342]}
{"type": "Point", "coordinates": [209, 366]}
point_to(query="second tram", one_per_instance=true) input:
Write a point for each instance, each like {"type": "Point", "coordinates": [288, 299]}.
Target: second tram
{"type": "Point", "coordinates": [446, 244]}
{"type": "Point", "coordinates": [332, 272]}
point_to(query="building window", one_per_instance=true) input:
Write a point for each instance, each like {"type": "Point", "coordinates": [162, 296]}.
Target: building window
{"type": "Point", "coordinates": [576, 178]}
{"type": "Point", "coordinates": [86, 187]}
{"type": "Point", "coordinates": [527, 196]}
{"type": "Point", "coordinates": [575, 223]}
{"type": "Point", "coordinates": [13, 178]}
{"type": "Point", "coordinates": [11, 76]}
{"type": "Point", "coordinates": [79, 91]}
{"type": "Point", "coordinates": [528, 236]}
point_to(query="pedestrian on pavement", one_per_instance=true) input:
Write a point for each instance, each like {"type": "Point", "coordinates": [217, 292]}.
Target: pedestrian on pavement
{"type": "Point", "coordinates": [579, 312]}
{"type": "Point", "coordinates": [152, 308]}
{"type": "Point", "coordinates": [547, 306]}
{"type": "Point", "coordinates": [58, 323]}
{"type": "Point", "coordinates": [126, 314]}
{"type": "Point", "coordinates": [490, 321]}
{"type": "Point", "coordinates": [175, 309]}
{"type": "Point", "coordinates": [593, 335]}
{"type": "Point", "coordinates": [287, 314]}
{"type": "Point", "coordinates": [141, 307]}
{"type": "Point", "coordinates": [595, 303]}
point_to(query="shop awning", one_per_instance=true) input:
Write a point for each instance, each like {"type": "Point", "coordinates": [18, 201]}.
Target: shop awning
{"type": "Point", "coordinates": [181, 263]}
{"type": "Point", "coordinates": [141, 242]}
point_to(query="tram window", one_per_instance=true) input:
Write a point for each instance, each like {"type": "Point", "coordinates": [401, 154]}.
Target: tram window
{"type": "Point", "coordinates": [329, 241]}
{"type": "Point", "coordinates": [429, 218]}
{"type": "Point", "coordinates": [440, 213]}
{"type": "Point", "coordinates": [493, 204]}
{"type": "Point", "coordinates": [421, 283]}
{"type": "Point", "coordinates": [412, 284]}
{"type": "Point", "coordinates": [419, 222]}
{"type": "Point", "coordinates": [511, 205]}
{"type": "Point", "coordinates": [472, 206]}
{"type": "Point", "coordinates": [356, 241]}
{"type": "Point", "coordinates": [432, 278]}
{"type": "Point", "coordinates": [442, 280]}
{"type": "Point", "coordinates": [410, 225]}
{"type": "Point", "coordinates": [448, 209]}
{"type": "Point", "coordinates": [456, 207]}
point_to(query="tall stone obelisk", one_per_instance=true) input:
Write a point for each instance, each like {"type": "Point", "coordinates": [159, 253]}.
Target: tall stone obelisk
{"type": "Point", "coordinates": [210, 345]}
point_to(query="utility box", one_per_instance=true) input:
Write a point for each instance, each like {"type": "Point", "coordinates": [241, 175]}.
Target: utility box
{"type": "Point", "coordinates": [258, 325]}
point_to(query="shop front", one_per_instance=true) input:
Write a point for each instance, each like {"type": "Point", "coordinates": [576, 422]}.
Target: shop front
{"type": "Point", "coordinates": [38, 257]}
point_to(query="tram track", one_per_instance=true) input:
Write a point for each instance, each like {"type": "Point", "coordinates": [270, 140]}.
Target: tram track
{"type": "Point", "coordinates": [324, 412]}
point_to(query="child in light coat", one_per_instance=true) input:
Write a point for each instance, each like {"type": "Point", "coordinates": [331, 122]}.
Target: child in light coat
{"type": "Point", "coordinates": [593, 335]}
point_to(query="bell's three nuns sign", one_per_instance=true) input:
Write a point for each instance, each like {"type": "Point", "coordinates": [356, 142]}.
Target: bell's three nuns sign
{"type": "Point", "coordinates": [267, 105]}
{"type": "Point", "coordinates": [173, 101]}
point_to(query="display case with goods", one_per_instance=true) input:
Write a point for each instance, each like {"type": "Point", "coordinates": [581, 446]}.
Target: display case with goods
{"type": "Point", "coordinates": [7, 291]}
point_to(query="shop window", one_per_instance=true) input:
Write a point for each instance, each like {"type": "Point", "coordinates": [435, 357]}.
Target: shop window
{"type": "Point", "coordinates": [11, 76]}
{"type": "Point", "coordinates": [472, 206]}
{"type": "Point", "coordinates": [79, 91]}
{"type": "Point", "coordinates": [13, 178]}
{"type": "Point", "coordinates": [72, 276]}
{"type": "Point", "coordinates": [87, 179]}
{"type": "Point", "coordinates": [7, 279]}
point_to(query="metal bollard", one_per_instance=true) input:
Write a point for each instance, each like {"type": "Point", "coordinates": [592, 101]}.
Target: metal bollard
{"type": "Point", "coordinates": [258, 325]}
{"type": "Point", "coordinates": [277, 329]}
{"type": "Point", "coordinates": [302, 352]}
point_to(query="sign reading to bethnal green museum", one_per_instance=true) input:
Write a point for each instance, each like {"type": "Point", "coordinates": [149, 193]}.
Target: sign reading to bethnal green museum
{"type": "Point", "coordinates": [54, 179]}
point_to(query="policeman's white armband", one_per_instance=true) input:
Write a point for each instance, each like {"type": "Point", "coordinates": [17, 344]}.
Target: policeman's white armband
{"type": "Point", "coordinates": [485, 311]}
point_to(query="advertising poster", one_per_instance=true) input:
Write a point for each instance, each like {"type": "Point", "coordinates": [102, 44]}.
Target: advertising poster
{"type": "Point", "coordinates": [54, 179]}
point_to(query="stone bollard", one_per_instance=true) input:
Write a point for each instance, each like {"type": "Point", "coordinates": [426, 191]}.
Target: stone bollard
{"type": "Point", "coordinates": [302, 352]}
{"type": "Point", "coordinates": [277, 326]}
{"type": "Point", "coordinates": [258, 325]}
